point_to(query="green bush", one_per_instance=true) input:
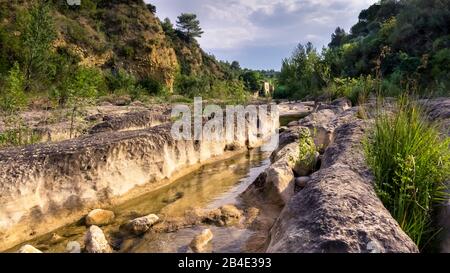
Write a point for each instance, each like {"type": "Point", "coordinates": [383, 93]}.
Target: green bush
{"type": "Point", "coordinates": [411, 162]}
{"type": "Point", "coordinates": [84, 84]}
{"type": "Point", "coordinates": [12, 96]}
{"type": "Point", "coordinates": [121, 81]}
{"type": "Point", "coordinates": [19, 136]}
{"type": "Point", "coordinates": [357, 90]}
{"type": "Point", "coordinates": [152, 86]}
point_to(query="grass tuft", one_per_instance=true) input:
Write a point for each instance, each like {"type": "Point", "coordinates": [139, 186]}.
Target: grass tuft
{"type": "Point", "coordinates": [411, 162]}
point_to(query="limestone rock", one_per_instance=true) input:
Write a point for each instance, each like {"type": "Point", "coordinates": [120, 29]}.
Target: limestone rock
{"type": "Point", "coordinates": [339, 210]}
{"type": "Point", "coordinates": [99, 217]}
{"type": "Point", "coordinates": [230, 214]}
{"type": "Point", "coordinates": [95, 241]}
{"type": "Point", "coordinates": [200, 241]}
{"type": "Point", "coordinates": [141, 225]}
{"type": "Point", "coordinates": [320, 125]}
{"type": "Point", "coordinates": [227, 215]}
{"type": "Point", "coordinates": [28, 249]}
{"type": "Point", "coordinates": [280, 178]}
{"type": "Point", "coordinates": [73, 247]}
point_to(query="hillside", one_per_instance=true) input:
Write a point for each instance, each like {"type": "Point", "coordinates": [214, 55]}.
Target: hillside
{"type": "Point", "coordinates": [395, 47]}
{"type": "Point", "coordinates": [122, 40]}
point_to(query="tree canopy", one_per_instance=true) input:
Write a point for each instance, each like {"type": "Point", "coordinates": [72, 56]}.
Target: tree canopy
{"type": "Point", "coordinates": [189, 25]}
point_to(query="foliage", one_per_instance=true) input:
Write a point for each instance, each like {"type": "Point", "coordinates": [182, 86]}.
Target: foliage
{"type": "Point", "coordinates": [208, 87]}
{"type": "Point", "coordinates": [152, 86]}
{"type": "Point", "coordinates": [37, 39]}
{"type": "Point", "coordinates": [357, 90]}
{"type": "Point", "coordinates": [21, 135]}
{"type": "Point", "coordinates": [304, 73]}
{"type": "Point", "coordinates": [252, 80]}
{"type": "Point", "coordinates": [306, 148]}
{"type": "Point", "coordinates": [411, 161]}
{"type": "Point", "coordinates": [84, 84]}
{"type": "Point", "coordinates": [189, 25]}
{"type": "Point", "coordinates": [403, 45]}
{"type": "Point", "coordinates": [120, 81]}
{"type": "Point", "coordinates": [12, 96]}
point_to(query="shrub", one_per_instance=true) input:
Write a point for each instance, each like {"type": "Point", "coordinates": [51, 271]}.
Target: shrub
{"type": "Point", "coordinates": [19, 136]}
{"type": "Point", "coordinates": [12, 96]}
{"type": "Point", "coordinates": [306, 147]}
{"type": "Point", "coordinates": [121, 81]}
{"type": "Point", "coordinates": [355, 89]}
{"type": "Point", "coordinates": [84, 84]}
{"type": "Point", "coordinates": [152, 86]}
{"type": "Point", "coordinates": [411, 161]}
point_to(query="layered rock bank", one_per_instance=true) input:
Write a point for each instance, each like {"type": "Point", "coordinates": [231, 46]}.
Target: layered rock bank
{"type": "Point", "coordinates": [46, 186]}
{"type": "Point", "coordinates": [334, 208]}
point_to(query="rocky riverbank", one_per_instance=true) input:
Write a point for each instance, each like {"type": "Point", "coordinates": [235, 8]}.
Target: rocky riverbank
{"type": "Point", "coordinates": [334, 207]}
{"type": "Point", "coordinates": [317, 194]}
{"type": "Point", "coordinates": [46, 186]}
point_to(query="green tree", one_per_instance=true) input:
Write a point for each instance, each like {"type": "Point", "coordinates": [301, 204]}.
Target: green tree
{"type": "Point", "coordinates": [235, 65]}
{"type": "Point", "coordinates": [252, 80]}
{"type": "Point", "coordinates": [82, 88]}
{"type": "Point", "coordinates": [167, 27]}
{"type": "Point", "coordinates": [337, 38]}
{"type": "Point", "coordinates": [189, 25]}
{"type": "Point", "coordinates": [12, 96]}
{"type": "Point", "coordinates": [37, 39]}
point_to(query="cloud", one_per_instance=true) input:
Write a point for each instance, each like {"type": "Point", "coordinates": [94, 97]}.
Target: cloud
{"type": "Point", "coordinates": [250, 28]}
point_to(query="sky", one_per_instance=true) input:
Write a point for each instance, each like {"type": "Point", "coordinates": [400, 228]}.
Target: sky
{"type": "Point", "coordinates": [260, 33]}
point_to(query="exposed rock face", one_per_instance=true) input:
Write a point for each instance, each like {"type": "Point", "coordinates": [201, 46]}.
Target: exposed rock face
{"type": "Point", "coordinates": [29, 249]}
{"type": "Point", "coordinates": [95, 241]}
{"type": "Point", "coordinates": [99, 217]}
{"type": "Point", "coordinates": [338, 210]}
{"type": "Point", "coordinates": [141, 225]}
{"type": "Point", "coordinates": [130, 121]}
{"type": "Point", "coordinates": [200, 241]}
{"type": "Point", "coordinates": [48, 185]}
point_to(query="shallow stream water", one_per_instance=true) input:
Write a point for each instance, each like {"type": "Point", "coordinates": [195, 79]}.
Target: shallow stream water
{"type": "Point", "coordinates": [211, 186]}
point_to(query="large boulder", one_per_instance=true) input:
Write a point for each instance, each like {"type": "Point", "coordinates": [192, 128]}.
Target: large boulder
{"type": "Point", "coordinates": [99, 217]}
{"type": "Point", "coordinates": [320, 125]}
{"type": "Point", "coordinates": [280, 180]}
{"type": "Point", "coordinates": [338, 210]}
{"type": "Point", "coordinates": [95, 241]}
{"type": "Point", "coordinates": [141, 225]}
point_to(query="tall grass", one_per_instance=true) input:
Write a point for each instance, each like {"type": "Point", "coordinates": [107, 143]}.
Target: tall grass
{"type": "Point", "coordinates": [411, 162]}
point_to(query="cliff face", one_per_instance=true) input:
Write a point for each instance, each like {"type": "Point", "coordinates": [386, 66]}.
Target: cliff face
{"type": "Point", "coordinates": [120, 34]}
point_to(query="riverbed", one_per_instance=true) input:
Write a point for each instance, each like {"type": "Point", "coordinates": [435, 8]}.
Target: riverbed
{"type": "Point", "coordinates": [211, 186]}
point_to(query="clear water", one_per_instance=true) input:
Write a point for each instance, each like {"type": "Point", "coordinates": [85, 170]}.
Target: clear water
{"type": "Point", "coordinates": [211, 186]}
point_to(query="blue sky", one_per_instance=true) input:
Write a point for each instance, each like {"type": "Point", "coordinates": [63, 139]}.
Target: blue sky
{"type": "Point", "coordinates": [260, 33]}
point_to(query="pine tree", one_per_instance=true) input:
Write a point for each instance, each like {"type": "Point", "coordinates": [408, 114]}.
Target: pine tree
{"type": "Point", "coordinates": [189, 25]}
